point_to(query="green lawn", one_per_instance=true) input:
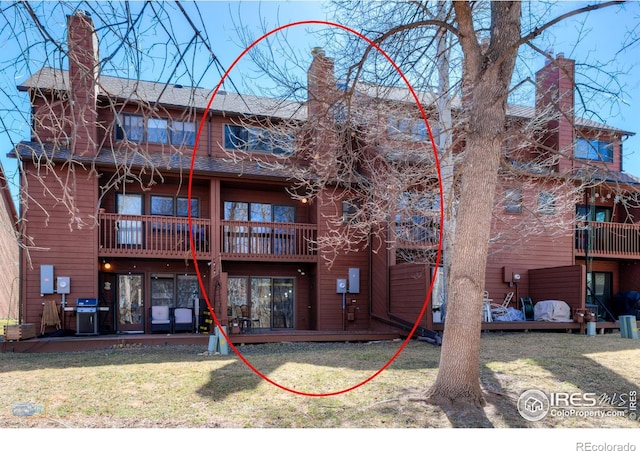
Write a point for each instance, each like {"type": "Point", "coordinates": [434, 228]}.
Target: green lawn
{"type": "Point", "coordinates": [181, 386]}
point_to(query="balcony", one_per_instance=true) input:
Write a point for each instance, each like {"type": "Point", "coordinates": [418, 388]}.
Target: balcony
{"type": "Point", "coordinates": [608, 239]}
{"type": "Point", "coordinates": [268, 241]}
{"type": "Point", "coordinates": [152, 236]}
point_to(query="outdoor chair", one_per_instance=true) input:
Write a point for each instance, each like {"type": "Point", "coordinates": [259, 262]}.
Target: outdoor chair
{"type": "Point", "coordinates": [159, 318]}
{"type": "Point", "coordinates": [503, 308]}
{"type": "Point", "coordinates": [486, 307]}
{"type": "Point", "coordinates": [183, 319]}
{"type": "Point", "coordinates": [245, 314]}
{"type": "Point", "coordinates": [50, 316]}
{"type": "Point", "coordinates": [243, 321]}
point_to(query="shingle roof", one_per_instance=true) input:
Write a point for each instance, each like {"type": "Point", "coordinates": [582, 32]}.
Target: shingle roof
{"type": "Point", "coordinates": [397, 94]}
{"type": "Point", "coordinates": [603, 175]}
{"type": "Point", "coordinates": [244, 104]}
{"type": "Point", "coordinates": [173, 95]}
{"type": "Point", "coordinates": [203, 165]}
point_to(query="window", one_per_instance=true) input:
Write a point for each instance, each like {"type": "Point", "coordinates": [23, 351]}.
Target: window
{"type": "Point", "coordinates": [254, 139]}
{"type": "Point", "coordinates": [175, 290]}
{"type": "Point", "coordinates": [594, 150]}
{"type": "Point", "coordinates": [349, 211]}
{"type": "Point", "coordinates": [183, 133]}
{"type": "Point", "coordinates": [130, 127]}
{"type": "Point", "coordinates": [513, 200]}
{"type": "Point", "coordinates": [178, 206]}
{"type": "Point", "coordinates": [593, 213]}
{"type": "Point", "coordinates": [546, 203]}
{"type": "Point", "coordinates": [129, 231]}
{"type": "Point", "coordinates": [259, 239]}
{"type": "Point", "coordinates": [417, 218]}
{"type": "Point", "coordinates": [182, 207]}
{"type": "Point", "coordinates": [158, 131]}
{"type": "Point", "coordinates": [162, 206]}
{"type": "Point", "coordinates": [414, 129]}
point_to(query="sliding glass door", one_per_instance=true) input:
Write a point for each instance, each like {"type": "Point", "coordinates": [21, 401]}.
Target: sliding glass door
{"type": "Point", "coordinates": [270, 300]}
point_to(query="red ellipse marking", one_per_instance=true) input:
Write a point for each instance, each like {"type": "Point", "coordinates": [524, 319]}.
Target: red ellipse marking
{"type": "Point", "coordinates": [191, 240]}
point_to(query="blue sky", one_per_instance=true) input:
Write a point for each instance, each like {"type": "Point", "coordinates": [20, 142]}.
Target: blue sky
{"type": "Point", "coordinates": [599, 38]}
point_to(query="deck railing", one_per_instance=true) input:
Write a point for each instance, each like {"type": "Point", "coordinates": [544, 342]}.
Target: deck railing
{"type": "Point", "coordinates": [268, 241]}
{"type": "Point", "coordinates": [608, 239]}
{"type": "Point", "coordinates": [152, 236]}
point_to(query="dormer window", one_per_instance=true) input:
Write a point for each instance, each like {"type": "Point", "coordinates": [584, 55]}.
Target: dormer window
{"type": "Point", "coordinates": [593, 149]}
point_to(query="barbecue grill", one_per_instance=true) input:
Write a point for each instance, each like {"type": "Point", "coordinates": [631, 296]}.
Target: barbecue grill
{"type": "Point", "coordinates": [87, 317]}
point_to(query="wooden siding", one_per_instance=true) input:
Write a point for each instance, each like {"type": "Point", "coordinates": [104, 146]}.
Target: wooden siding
{"type": "Point", "coordinates": [9, 255]}
{"type": "Point", "coordinates": [409, 286]}
{"type": "Point", "coordinates": [56, 238]}
{"type": "Point", "coordinates": [523, 242]}
{"type": "Point", "coordinates": [331, 267]}
{"type": "Point", "coordinates": [629, 279]}
{"type": "Point", "coordinates": [379, 278]}
{"type": "Point", "coordinates": [563, 283]}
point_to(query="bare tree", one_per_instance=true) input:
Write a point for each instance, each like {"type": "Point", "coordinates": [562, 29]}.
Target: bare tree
{"type": "Point", "coordinates": [387, 167]}
{"type": "Point", "coordinates": [131, 39]}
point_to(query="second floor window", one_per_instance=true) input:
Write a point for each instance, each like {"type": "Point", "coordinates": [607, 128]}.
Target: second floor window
{"type": "Point", "coordinates": [174, 206]}
{"type": "Point", "coordinates": [513, 200]}
{"type": "Point", "coordinates": [139, 129]}
{"type": "Point", "coordinates": [593, 149]}
{"type": "Point", "coordinates": [157, 131]}
{"type": "Point", "coordinates": [255, 139]}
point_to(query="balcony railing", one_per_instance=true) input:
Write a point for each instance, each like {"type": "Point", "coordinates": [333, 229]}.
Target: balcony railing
{"type": "Point", "coordinates": [268, 241]}
{"type": "Point", "coordinates": [608, 239]}
{"type": "Point", "coordinates": [152, 236]}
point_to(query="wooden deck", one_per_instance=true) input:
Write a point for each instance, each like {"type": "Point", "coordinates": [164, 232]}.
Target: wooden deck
{"type": "Point", "coordinates": [601, 326]}
{"type": "Point", "coordinates": [97, 342]}
{"type": "Point", "coordinates": [113, 341]}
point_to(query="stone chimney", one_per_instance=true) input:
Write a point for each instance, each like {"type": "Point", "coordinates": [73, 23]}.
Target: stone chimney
{"type": "Point", "coordinates": [555, 94]}
{"type": "Point", "coordinates": [83, 87]}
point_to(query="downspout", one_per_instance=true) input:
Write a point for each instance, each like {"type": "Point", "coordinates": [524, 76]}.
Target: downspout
{"type": "Point", "coordinates": [587, 243]}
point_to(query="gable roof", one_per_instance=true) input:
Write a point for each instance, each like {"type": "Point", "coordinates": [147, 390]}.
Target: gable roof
{"type": "Point", "coordinates": [244, 104]}
{"type": "Point", "coordinates": [403, 95]}
{"type": "Point", "coordinates": [173, 95]}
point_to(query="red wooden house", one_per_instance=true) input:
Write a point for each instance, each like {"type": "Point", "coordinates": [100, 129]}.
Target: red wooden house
{"type": "Point", "coordinates": [105, 213]}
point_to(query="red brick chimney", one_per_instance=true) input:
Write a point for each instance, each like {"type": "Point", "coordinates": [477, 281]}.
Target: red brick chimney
{"type": "Point", "coordinates": [83, 76]}
{"type": "Point", "coordinates": [322, 97]}
{"type": "Point", "coordinates": [555, 93]}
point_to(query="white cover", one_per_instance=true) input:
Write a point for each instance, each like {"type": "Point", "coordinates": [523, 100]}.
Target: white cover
{"type": "Point", "coordinates": [557, 311]}
{"type": "Point", "coordinates": [182, 315]}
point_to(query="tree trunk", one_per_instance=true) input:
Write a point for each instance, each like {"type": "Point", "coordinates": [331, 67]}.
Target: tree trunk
{"type": "Point", "coordinates": [486, 76]}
